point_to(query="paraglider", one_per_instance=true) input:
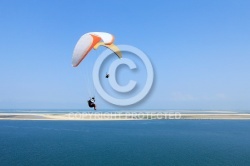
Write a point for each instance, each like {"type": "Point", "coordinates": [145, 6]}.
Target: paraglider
{"type": "Point", "coordinates": [92, 40]}
{"type": "Point", "coordinates": [84, 46]}
{"type": "Point", "coordinates": [91, 103]}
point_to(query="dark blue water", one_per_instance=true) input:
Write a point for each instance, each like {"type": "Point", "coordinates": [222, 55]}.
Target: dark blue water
{"type": "Point", "coordinates": [170, 142]}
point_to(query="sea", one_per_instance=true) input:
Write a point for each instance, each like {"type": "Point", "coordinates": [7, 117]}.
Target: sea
{"type": "Point", "coordinates": [131, 142]}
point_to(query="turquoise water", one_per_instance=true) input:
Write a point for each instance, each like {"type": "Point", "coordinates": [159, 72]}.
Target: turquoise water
{"type": "Point", "coordinates": [169, 142]}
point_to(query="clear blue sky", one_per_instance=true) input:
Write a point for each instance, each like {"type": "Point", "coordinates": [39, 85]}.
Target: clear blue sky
{"type": "Point", "coordinates": [200, 51]}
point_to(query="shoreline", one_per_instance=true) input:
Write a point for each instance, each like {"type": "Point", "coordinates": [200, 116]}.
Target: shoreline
{"type": "Point", "coordinates": [104, 116]}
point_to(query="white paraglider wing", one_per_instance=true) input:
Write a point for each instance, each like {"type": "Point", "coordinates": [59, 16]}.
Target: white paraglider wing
{"type": "Point", "coordinates": [106, 37]}
{"type": "Point", "coordinates": [92, 40]}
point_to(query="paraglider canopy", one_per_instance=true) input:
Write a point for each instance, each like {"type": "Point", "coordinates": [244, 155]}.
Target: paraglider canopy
{"type": "Point", "coordinates": [93, 40]}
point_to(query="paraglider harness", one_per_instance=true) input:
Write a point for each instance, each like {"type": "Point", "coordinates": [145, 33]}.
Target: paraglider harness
{"type": "Point", "coordinates": [91, 102]}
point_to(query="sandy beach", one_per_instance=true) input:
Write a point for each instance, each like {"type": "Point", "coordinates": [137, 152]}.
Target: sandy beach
{"type": "Point", "coordinates": [120, 116]}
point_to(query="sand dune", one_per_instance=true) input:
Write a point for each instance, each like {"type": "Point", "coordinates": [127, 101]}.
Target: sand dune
{"type": "Point", "coordinates": [118, 116]}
